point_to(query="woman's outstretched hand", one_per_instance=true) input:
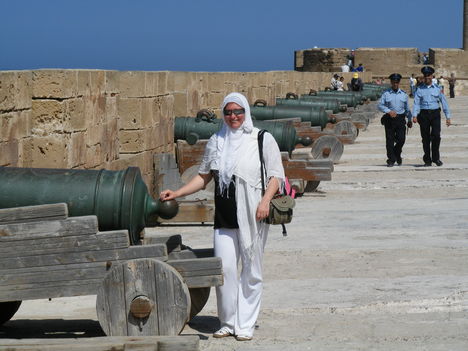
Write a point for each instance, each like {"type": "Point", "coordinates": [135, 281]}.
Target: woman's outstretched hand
{"type": "Point", "coordinates": [167, 195]}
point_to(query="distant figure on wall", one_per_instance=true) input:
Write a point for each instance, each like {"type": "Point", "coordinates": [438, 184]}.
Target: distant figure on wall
{"type": "Point", "coordinates": [356, 83]}
{"type": "Point", "coordinates": [412, 82]}
{"type": "Point", "coordinates": [340, 84]}
{"type": "Point", "coordinates": [451, 82]}
{"type": "Point", "coordinates": [334, 81]}
{"type": "Point", "coordinates": [359, 68]}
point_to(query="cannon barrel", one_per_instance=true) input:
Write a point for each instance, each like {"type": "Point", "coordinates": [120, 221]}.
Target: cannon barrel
{"type": "Point", "coordinates": [193, 129]}
{"type": "Point", "coordinates": [316, 116]}
{"type": "Point", "coordinates": [350, 101]}
{"type": "Point", "coordinates": [361, 98]}
{"type": "Point", "coordinates": [332, 105]}
{"type": "Point", "coordinates": [119, 199]}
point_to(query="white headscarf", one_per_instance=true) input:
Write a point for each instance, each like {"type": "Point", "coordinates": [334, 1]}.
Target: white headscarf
{"type": "Point", "coordinates": [230, 140]}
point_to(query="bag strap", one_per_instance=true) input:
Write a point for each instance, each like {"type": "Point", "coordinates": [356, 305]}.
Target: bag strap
{"type": "Point", "coordinates": [262, 162]}
{"type": "Point", "coordinates": [263, 171]}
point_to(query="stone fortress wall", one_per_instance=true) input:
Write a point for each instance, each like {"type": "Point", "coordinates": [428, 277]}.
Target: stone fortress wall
{"type": "Point", "coordinates": [94, 119]}
{"type": "Point", "coordinates": [384, 61]}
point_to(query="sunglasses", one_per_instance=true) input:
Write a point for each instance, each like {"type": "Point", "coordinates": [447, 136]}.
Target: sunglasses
{"type": "Point", "coordinates": [237, 112]}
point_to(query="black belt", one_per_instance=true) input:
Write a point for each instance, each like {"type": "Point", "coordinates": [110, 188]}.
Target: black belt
{"type": "Point", "coordinates": [431, 111]}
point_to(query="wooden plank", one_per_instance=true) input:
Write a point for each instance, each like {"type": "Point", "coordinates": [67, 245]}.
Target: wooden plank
{"type": "Point", "coordinates": [193, 211]}
{"type": "Point", "coordinates": [114, 343]}
{"type": "Point", "coordinates": [68, 227]}
{"type": "Point", "coordinates": [33, 213]}
{"type": "Point", "coordinates": [172, 242]}
{"type": "Point", "coordinates": [101, 241]}
{"type": "Point", "coordinates": [189, 155]}
{"type": "Point", "coordinates": [204, 281]}
{"type": "Point", "coordinates": [66, 280]}
{"type": "Point", "coordinates": [191, 253]}
{"type": "Point", "coordinates": [82, 257]}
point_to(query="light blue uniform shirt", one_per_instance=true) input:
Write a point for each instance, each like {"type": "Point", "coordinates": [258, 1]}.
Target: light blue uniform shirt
{"type": "Point", "coordinates": [395, 101]}
{"type": "Point", "coordinates": [427, 97]}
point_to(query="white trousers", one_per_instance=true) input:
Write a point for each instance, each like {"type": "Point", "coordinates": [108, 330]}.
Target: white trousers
{"type": "Point", "coordinates": [240, 296]}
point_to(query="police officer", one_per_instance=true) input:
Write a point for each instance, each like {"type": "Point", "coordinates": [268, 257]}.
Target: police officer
{"type": "Point", "coordinates": [426, 112]}
{"type": "Point", "coordinates": [394, 103]}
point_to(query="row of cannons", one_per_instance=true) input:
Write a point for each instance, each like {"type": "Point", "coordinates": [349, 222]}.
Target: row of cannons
{"type": "Point", "coordinates": [81, 232]}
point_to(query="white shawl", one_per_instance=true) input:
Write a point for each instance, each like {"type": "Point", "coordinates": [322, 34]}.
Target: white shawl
{"type": "Point", "coordinates": [228, 152]}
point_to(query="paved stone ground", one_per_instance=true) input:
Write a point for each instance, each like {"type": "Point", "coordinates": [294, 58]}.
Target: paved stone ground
{"type": "Point", "coordinates": [375, 260]}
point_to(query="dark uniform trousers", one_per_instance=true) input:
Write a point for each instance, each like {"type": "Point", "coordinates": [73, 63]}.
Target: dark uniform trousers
{"type": "Point", "coordinates": [429, 125]}
{"type": "Point", "coordinates": [395, 136]}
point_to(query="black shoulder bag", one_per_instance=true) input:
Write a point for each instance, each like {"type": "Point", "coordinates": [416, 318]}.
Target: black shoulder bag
{"type": "Point", "coordinates": [281, 206]}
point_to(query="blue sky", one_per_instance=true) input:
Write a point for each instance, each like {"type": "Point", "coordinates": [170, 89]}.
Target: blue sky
{"type": "Point", "coordinates": [212, 35]}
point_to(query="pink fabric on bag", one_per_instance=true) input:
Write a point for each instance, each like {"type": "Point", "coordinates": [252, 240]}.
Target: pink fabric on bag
{"type": "Point", "coordinates": [288, 189]}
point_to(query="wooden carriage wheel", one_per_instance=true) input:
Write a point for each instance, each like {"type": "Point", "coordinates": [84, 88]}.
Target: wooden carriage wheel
{"type": "Point", "coordinates": [327, 147]}
{"type": "Point", "coordinates": [143, 297]}
{"type": "Point", "coordinates": [346, 128]}
{"type": "Point", "coordinates": [8, 310]}
{"type": "Point", "coordinates": [311, 186]}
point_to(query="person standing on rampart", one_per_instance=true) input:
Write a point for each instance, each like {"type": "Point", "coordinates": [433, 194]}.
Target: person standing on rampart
{"type": "Point", "coordinates": [394, 103]}
{"type": "Point", "coordinates": [426, 112]}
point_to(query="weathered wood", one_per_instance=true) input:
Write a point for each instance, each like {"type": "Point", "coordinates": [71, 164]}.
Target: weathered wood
{"type": "Point", "coordinates": [154, 279]}
{"type": "Point", "coordinates": [194, 211]}
{"type": "Point", "coordinates": [172, 242]}
{"type": "Point", "coordinates": [67, 279]}
{"type": "Point", "coordinates": [82, 257]}
{"type": "Point", "coordinates": [68, 227]}
{"type": "Point", "coordinates": [33, 213]}
{"type": "Point", "coordinates": [200, 272]}
{"type": "Point", "coordinates": [114, 343]}
{"type": "Point", "coordinates": [49, 245]}
{"type": "Point", "coordinates": [191, 253]}
{"type": "Point", "coordinates": [189, 155]}
{"type": "Point", "coordinates": [166, 172]}
{"type": "Point", "coordinates": [301, 169]}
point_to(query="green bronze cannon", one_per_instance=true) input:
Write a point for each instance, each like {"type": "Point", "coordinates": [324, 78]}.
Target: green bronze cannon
{"type": "Point", "coordinates": [293, 100]}
{"type": "Point", "coordinates": [361, 98]}
{"type": "Point", "coordinates": [205, 125]}
{"type": "Point", "coordinates": [316, 116]}
{"type": "Point", "coordinates": [350, 101]}
{"type": "Point", "coordinates": [119, 199]}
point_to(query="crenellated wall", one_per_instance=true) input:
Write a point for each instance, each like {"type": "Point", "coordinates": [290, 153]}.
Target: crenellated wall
{"type": "Point", "coordinates": [97, 119]}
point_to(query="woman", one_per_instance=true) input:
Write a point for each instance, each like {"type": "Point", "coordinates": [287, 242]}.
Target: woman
{"type": "Point", "coordinates": [232, 159]}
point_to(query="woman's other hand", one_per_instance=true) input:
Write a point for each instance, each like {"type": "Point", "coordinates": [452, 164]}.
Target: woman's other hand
{"type": "Point", "coordinates": [167, 195]}
{"type": "Point", "coordinates": [263, 210]}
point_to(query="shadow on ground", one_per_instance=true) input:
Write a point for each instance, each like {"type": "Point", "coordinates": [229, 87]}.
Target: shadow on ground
{"type": "Point", "coordinates": [50, 328]}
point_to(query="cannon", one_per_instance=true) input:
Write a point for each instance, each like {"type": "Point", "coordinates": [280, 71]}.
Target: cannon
{"type": "Point", "coordinates": [350, 101]}
{"type": "Point", "coordinates": [142, 290]}
{"type": "Point", "coordinates": [194, 129]}
{"type": "Point", "coordinates": [316, 116]}
{"type": "Point", "coordinates": [119, 199]}
{"type": "Point", "coordinates": [332, 105]}
{"type": "Point", "coordinates": [340, 94]}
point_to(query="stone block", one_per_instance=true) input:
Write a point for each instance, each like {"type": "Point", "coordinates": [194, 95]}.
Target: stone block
{"type": "Point", "coordinates": [97, 82]}
{"type": "Point", "coordinates": [77, 150]}
{"type": "Point", "coordinates": [59, 84]}
{"type": "Point", "coordinates": [46, 152]}
{"type": "Point", "coordinates": [180, 104]}
{"type": "Point", "coordinates": [48, 115]}
{"type": "Point", "coordinates": [9, 153]}
{"type": "Point", "coordinates": [162, 81]}
{"type": "Point", "coordinates": [94, 157]}
{"type": "Point", "coordinates": [15, 90]}
{"type": "Point", "coordinates": [112, 79]}
{"type": "Point", "coordinates": [129, 111]}
{"type": "Point", "coordinates": [132, 84]}
{"type": "Point", "coordinates": [147, 112]}
{"type": "Point", "coordinates": [177, 82]}
{"type": "Point", "coordinates": [15, 125]}
{"type": "Point", "coordinates": [74, 116]}
{"type": "Point", "coordinates": [132, 141]}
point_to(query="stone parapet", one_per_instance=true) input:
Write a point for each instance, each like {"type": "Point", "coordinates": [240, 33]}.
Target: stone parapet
{"type": "Point", "coordinates": [96, 119]}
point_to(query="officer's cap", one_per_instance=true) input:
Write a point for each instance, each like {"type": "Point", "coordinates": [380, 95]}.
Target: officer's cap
{"type": "Point", "coordinates": [395, 76]}
{"type": "Point", "coordinates": [427, 71]}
